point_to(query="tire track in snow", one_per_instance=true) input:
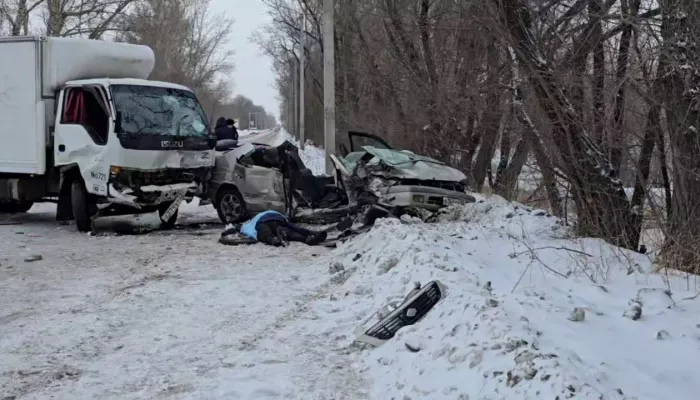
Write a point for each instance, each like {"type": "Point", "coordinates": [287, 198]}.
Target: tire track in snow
{"type": "Point", "coordinates": [318, 363]}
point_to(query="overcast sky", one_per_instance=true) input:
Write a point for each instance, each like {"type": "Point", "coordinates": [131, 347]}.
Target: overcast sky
{"type": "Point", "coordinates": [253, 76]}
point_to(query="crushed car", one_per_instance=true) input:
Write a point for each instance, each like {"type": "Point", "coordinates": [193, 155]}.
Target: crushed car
{"type": "Point", "coordinates": [264, 172]}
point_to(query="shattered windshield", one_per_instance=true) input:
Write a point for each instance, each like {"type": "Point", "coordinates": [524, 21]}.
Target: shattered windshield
{"type": "Point", "coordinates": [149, 110]}
{"type": "Point", "coordinates": [395, 158]}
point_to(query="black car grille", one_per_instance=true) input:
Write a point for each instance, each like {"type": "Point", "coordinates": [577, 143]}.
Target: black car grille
{"type": "Point", "coordinates": [385, 330]}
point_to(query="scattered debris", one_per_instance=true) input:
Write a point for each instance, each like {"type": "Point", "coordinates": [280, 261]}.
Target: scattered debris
{"type": "Point", "coordinates": [577, 315]}
{"type": "Point", "coordinates": [634, 312]}
{"type": "Point", "coordinates": [33, 257]}
{"type": "Point", "coordinates": [336, 267]}
{"type": "Point", "coordinates": [413, 347]}
{"type": "Point", "coordinates": [662, 335]}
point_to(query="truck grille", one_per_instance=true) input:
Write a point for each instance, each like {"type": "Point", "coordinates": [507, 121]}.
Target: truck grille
{"type": "Point", "coordinates": [137, 178]}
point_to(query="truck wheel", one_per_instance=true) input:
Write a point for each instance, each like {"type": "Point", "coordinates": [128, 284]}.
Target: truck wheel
{"type": "Point", "coordinates": [230, 205]}
{"type": "Point", "coordinates": [15, 206]}
{"type": "Point", "coordinates": [169, 224]}
{"type": "Point", "coordinates": [23, 206]}
{"type": "Point", "coordinates": [80, 206]}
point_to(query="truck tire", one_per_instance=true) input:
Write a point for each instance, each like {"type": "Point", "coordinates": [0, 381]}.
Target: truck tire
{"type": "Point", "coordinates": [80, 205]}
{"type": "Point", "coordinates": [230, 205]}
{"type": "Point", "coordinates": [15, 206]}
{"type": "Point", "coordinates": [169, 224]}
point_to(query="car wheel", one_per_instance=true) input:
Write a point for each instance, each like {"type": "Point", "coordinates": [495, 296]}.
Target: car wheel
{"type": "Point", "coordinates": [170, 223]}
{"type": "Point", "coordinates": [80, 206]}
{"type": "Point", "coordinates": [230, 205]}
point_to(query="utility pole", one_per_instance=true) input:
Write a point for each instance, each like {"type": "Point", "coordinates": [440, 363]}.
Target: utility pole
{"type": "Point", "coordinates": [328, 83]}
{"type": "Point", "coordinates": [302, 42]}
{"type": "Point", "coordinates": [290, 108]}
{"type": "Point", "coordinates": [295, 84]}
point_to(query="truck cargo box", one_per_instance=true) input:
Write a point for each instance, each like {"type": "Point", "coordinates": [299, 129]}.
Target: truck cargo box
{"type": "Point", "coordinates": [33, 68]}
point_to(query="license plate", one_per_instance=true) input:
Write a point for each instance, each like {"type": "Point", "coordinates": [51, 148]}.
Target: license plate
{"type": "Point", "coordinates": [449, 201]}
{"type": "Point", "coordinates": [173, 207]}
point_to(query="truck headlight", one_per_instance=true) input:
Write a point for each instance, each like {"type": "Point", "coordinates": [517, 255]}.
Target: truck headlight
{"type": "Point", "coordinates": [114, 171]}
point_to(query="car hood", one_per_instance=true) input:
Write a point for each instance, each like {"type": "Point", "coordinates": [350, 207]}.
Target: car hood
{"type": "Point", "coordinates": [404, 165]}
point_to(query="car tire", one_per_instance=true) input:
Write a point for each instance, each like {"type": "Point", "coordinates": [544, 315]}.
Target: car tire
{"type": "Point", "coordinates": [230, 205]}
{"type": "Point", "coordinates": [80, 205]}
{"type": "Point", "coordinates": [169, 224]}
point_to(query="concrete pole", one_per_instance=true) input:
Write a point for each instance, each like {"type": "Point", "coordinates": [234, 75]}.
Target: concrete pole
{"type": "Point", "coordinates": [290, 109]}
{"type": "Point", "coordinates": [328, 83]}
{"type": "Point", "coordinates": [296, 99]}
{"type": "Point", "coordinates": [302, 41]}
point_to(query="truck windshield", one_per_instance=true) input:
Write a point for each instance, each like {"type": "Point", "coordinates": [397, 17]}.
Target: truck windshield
{"type": "Point", "coordinates": [150, 110]}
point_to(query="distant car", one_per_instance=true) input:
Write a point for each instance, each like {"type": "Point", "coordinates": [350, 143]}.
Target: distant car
{"type": "Point", "coordinates": [264, 172]}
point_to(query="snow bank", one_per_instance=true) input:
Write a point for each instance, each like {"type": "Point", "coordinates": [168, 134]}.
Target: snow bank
{"type": "Point", "coordinates": [507, 327]}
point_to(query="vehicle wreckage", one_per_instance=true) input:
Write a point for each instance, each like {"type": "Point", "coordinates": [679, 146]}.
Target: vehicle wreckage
{"type": "Point", "coordinates": [264, 172]}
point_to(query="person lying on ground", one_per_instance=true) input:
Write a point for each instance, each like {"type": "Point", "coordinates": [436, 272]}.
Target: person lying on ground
{"type": "Point", "coordinates": [273, 228]}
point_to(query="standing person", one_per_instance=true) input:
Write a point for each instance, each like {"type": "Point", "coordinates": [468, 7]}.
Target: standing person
{"type": "Point", "coordinates": [232, 126]}
{"type": "Point", "coordinates": [223, 132]}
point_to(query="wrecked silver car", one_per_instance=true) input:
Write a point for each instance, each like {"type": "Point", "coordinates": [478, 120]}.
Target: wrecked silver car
{"type": "Point", "coordinates": [251, 177]}
{"type": "Point", "coordinates": [266, 173]}
{"type": "Point", "coordinates": [399, 178]}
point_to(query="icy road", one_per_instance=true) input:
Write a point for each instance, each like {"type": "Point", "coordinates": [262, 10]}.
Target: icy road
{"type": "Point", "coordinates": [161, 315]}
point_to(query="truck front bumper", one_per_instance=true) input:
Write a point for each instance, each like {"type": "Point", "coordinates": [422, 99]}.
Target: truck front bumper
{"type": "Point", "coordinates": [151, 195]}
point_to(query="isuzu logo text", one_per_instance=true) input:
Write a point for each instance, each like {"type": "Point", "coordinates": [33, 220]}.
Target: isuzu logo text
{"type": "Point", "coordinates": [172, 144]}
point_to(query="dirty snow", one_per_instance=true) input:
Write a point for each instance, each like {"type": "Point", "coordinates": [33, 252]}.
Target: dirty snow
{"type": "Point", "coordinates": [529, 313]}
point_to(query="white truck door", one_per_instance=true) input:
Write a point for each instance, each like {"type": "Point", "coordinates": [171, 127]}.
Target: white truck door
{"type": "Point", "coordinates": [81, 134]}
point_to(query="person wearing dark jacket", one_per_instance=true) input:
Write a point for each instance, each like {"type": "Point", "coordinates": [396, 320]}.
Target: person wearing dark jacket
{"type": "Point", "coordinates": [232, 125]}
{"type": "Point", "coordinates": [273, 228]}
{"type": "Point", "coordinates": [223, 132]}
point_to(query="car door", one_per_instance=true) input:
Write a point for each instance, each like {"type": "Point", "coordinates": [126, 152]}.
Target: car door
{"type": "Point", "coordinates": [81, 133]}
{"type": "Point", "coordinates": [261, 187]}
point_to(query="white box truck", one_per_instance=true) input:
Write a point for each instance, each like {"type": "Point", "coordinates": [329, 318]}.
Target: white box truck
{"type": "Point", "coordinates": [81, 125]}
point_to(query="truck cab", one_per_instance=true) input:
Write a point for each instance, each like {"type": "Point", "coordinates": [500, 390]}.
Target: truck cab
{"type": "Point", "coordinates": [104, 139]}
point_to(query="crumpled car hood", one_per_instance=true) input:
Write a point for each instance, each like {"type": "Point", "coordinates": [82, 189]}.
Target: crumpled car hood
{"type": "Point", "coordinates": [405, 165]}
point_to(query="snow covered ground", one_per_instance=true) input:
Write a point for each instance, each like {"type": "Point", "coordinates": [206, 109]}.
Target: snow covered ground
{"type": "Point", "coordinates": [176, 315]}
{"type": "Point", "coordinates": [162, 315]}
{"type": "Point", "coordinates": [517, 340]}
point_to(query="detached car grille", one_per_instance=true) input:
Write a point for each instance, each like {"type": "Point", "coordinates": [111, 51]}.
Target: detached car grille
{"type": "Point", "coordinates": [387, 328]}
{"type": "Point", "coordinates": [447, 185]}
{"type": "Point", "coordinates": [137, 178]}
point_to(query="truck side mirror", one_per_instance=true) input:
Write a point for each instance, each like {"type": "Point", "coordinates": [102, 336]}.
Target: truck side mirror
{"type": "Point", "coordinates": [118, 122]}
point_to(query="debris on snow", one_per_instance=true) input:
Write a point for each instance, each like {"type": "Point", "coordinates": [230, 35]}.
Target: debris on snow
{"type": "Point", "coordinates": [662, 335]}
{"type": "Point", "coordinates": [634, 312]}
{"type": "Point", "coordinates": [33, 257]}
{"type": "Point", "coordinates": [577, 315]}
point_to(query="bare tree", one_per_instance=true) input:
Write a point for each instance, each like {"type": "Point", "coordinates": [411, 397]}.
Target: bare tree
{"type": "Point", "coordinates": [188, 41]}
